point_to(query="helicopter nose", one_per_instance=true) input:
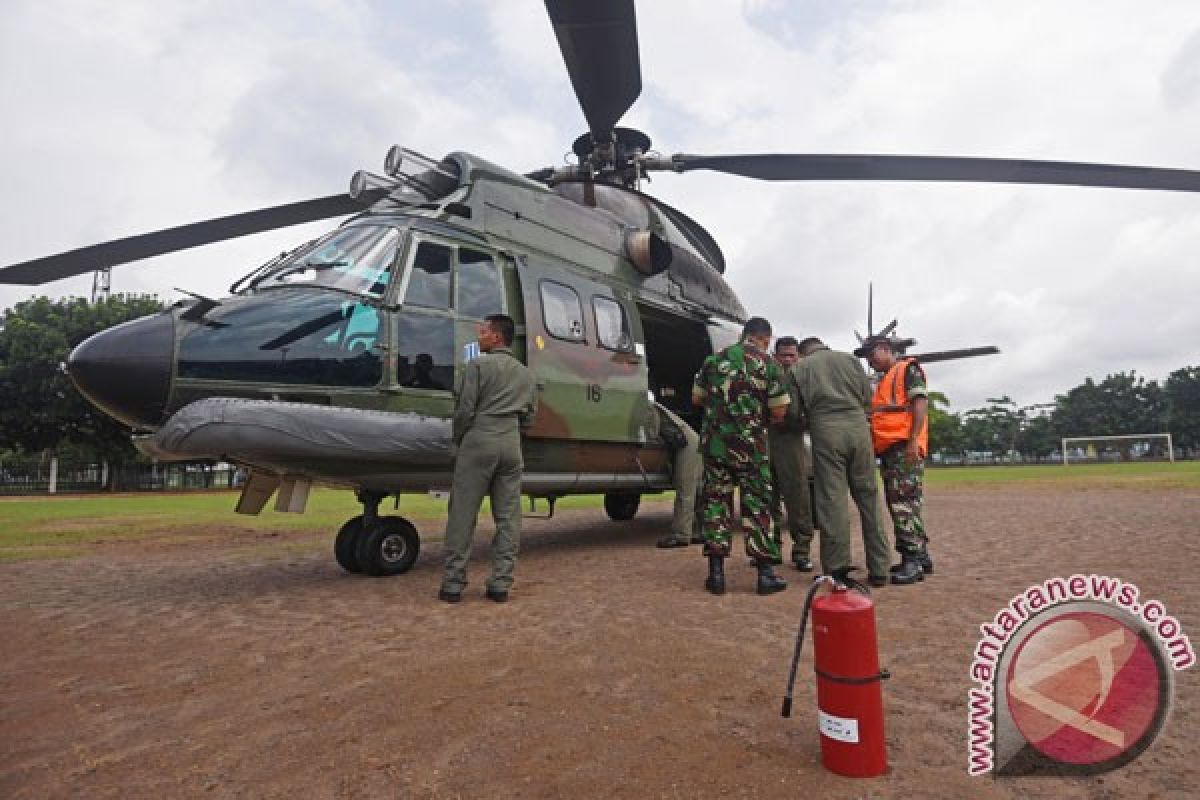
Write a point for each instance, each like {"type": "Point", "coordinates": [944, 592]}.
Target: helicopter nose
{"type": "Point", "coordinates": [126, 371]}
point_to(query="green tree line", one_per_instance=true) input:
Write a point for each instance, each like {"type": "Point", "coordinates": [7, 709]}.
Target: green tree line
{"type": "Point", "coordinates": [1123, 403]}
{"type": "Point", "coordinates": [40, 410]}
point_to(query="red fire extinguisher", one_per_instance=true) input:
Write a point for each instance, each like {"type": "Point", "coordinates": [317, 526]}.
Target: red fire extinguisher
{"type": "Point", "coordinates": [849, 681]}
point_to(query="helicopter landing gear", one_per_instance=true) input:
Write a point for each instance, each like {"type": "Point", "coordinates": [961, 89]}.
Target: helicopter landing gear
{"type": "Point", "coordinates": [389, 547]}
{"type": "Point", "coordinates": [375, 545]}
{"type": "Point", "coordinates": [621, 506]}
{"type": "Point", "coordinates": [345, 546]}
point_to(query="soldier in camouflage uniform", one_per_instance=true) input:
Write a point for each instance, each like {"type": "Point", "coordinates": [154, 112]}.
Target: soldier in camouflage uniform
{"type": "Point", "coordinates": [900, 430]}
{"type": "Point", "coordinates": [789, 467]}
{"type": "Point", "coordinates": [741, 392]}
{"type": "Point", "coordinates": [497, 398]}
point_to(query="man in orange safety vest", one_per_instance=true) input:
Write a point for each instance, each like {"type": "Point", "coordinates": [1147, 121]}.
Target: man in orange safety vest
{"type": "Point", "coordinates": [900, 435]}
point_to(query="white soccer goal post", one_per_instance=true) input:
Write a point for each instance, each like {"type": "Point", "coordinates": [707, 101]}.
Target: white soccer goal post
{"type": "Point", "coordinates": [1092, 440]}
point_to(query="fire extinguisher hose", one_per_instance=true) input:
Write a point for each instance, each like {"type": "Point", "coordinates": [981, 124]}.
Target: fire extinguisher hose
{"type": "Point", "coordinates": [787, 698]}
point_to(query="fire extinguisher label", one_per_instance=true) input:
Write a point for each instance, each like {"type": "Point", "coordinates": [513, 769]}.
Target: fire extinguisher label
{"type": "Point", "coordinates": [843, 729]}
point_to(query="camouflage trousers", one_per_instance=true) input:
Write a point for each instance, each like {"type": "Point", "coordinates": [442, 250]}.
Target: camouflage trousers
{"type": "Point", "coordinates": [753, 481]}
{"type": "Point", "coordinates": [903, 487]}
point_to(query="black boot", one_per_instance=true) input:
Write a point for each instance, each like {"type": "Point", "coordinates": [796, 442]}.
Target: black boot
{"type": "Point", "coordinates": [908, 571]}
{"type": "Point", "coordinates": [923, 559]}
{"type": "Point", "coordinates": [768, 581]}
{"type": "Point", "coordinates": [715, 582]}
{"type": "Point", "coordinates": [802, 563]}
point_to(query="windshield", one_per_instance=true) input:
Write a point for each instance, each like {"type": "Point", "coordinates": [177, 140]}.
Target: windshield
{"type": "Point", "coordinates": [298, 337]}
{"type": "Point", "coordinates": [358, 259]}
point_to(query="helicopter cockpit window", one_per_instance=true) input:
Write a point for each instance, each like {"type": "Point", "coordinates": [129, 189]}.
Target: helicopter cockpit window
{"type": "Point", "coordinates": [612, 326]}
{"type": "Point", "coordinates": [479, 291]}
{"type": "Point", "coordinates": [429, 278]}
{"type": "Point", "coordinates": [318, 338]}
{"type": "Point", "coordinates": [425, 351]}
{"type": "Point", "coordinates": [562, 311]}
{"type": "Point", "coordinates": [357, 259]}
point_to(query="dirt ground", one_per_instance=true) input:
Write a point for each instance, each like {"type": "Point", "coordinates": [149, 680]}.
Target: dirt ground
{"type": "Point", "coordinates": [230, 665]}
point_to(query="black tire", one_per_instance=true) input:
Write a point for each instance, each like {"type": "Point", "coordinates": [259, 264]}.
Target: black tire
{"type": "Point", "coordinates": [389, 548]}
{"type": "Point", "coordinates": [345, 546]}
{"type": "Point", "coordinates": [621, 506]}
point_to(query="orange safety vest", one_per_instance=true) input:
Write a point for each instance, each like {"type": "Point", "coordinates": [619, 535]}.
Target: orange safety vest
{"type": "Point", "coordinates": [891, 413]}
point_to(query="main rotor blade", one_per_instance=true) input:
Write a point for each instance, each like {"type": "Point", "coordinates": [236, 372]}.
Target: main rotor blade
{"type": "Point", "coordinates": [804, 167]}
{"type": "Point", "coordinates": [135, 248]}
{"type": "Point", "coordinates": [950, 355]}
{"type": "Point", "coordinates": [599, 45]}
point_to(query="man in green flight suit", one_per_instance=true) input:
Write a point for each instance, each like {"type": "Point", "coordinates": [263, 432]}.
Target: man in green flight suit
{"type": "Point", "coordinates": [741, 391]}
{"type": "Point", "coordinates": [836, 394]}
{"type": "Point", "coordinates": [789, 467]}
{"type": "Point", "coordinates": [496, 400]}
{"type": "Point", "coordinates": [686, 471]}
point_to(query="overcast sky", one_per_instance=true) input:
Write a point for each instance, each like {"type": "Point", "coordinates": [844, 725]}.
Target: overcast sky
{"type": "Point", "coordinates": [120, 118]}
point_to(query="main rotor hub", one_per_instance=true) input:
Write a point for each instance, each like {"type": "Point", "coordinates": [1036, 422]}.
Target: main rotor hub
{"type": "Point", "coordinates": [616, 159]}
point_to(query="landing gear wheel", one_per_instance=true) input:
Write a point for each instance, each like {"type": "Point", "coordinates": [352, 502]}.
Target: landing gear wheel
{"type": "Point", "coordinates": [621, 506]}
{"type": "Point", "coordinates": [390, 547]}
{"type": "Point", "coordinates": [345, 546]}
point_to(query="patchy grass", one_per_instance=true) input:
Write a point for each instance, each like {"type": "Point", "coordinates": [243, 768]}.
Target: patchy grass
{"type": "Point", "coordinates": [122, 517]}
{"type": "Point", "coordinates": [64, 526]}
{"type": "Point", "coordinates": [45, 527]}
{"type": "Point", "coordinates": [1156, 475]}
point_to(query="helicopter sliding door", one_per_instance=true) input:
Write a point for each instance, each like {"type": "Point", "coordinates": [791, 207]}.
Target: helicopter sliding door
{"type": "Point", "coordinates": [584, 345]}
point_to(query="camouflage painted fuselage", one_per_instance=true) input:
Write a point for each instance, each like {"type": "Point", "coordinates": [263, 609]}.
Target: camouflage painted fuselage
{"type": "Point", "coordinates": [565, 277]}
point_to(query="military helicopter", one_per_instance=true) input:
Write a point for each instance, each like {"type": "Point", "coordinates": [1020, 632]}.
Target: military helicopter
{"type": "Point", "coordinates": [901, 345]}
{"type": "Point", "coordinates": [335, 363]}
